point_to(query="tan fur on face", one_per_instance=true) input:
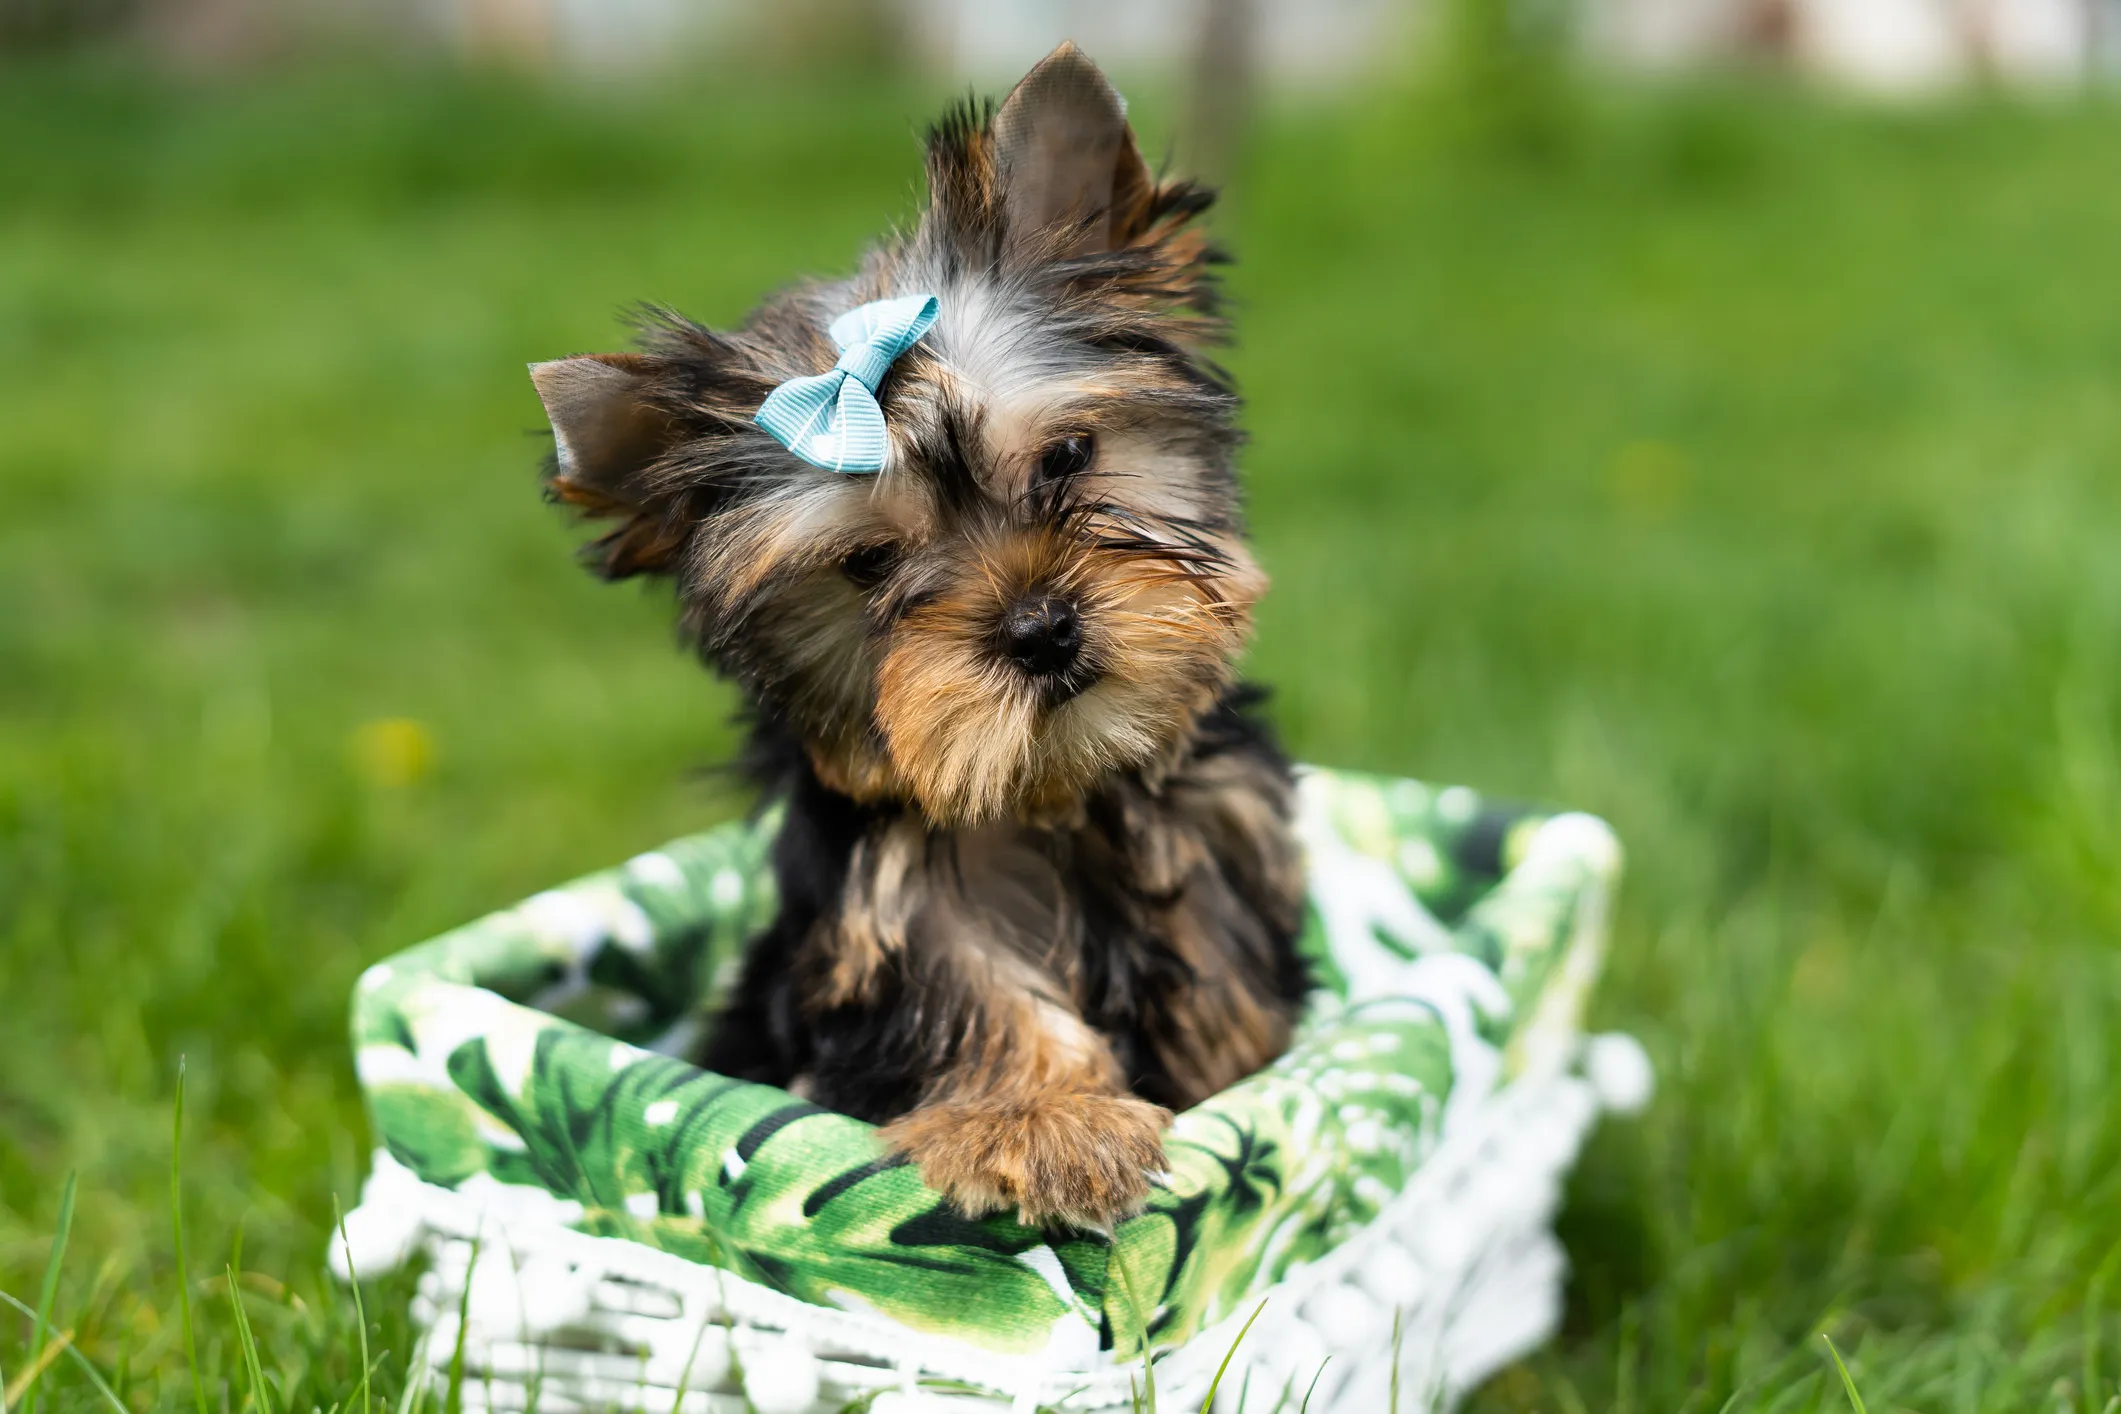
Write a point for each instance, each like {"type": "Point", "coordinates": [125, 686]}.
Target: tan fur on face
{"type": "Point", "coordinates": [973, 740]}
{"type": "Point", "coordinates": [1036, 340]}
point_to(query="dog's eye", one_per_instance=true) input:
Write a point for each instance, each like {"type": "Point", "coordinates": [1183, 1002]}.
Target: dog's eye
{"type": "Point", "coordinates": [1066, 457]}
{"type": "Point", "coordinates": [867, 566]}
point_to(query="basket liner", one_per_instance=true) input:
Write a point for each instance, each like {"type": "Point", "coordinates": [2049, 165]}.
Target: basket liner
{"type": "Point", "coordinates": [530, 1060]}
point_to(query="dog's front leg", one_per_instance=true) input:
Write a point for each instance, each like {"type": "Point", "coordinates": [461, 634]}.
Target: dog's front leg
{"type": "Point", "coordinates": [1035, 1118]}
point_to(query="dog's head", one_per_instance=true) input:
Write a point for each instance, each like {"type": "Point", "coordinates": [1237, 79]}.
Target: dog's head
{"type": "Point", "coordinates": [1047, 581]}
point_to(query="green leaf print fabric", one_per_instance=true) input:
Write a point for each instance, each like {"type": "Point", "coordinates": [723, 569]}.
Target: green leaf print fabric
{"type": "Point", "coordinates": [531, 1057]}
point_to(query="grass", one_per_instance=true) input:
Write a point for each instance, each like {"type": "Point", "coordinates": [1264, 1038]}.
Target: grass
{"type": "Point", "coordinates": [1736, 466]}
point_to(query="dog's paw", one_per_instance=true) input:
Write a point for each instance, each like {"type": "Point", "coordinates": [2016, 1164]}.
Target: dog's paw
{"type": "Point", "coordinates": [1083, 1160]}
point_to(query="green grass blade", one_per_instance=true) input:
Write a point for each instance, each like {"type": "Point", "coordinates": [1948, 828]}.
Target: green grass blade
{"type": "Point", "coordinates": [743, 1385]}
{"type": "Point", "coordinates": [1060, 1403]}
{"type": "Point", "coordinates": [2094, 1322]}
{"type": "Point", "coordinates": [1305, 1407]}
{"type": "Point", "coordinates": [258, 1392]}
{"type": "Point", "coordinates": [453, 1397]}
{"type": "Point", "coordinates": [353, 1280]}
{"type": "Point", "coordinates": [1398, 1334]}
{"type": "Point", "coordinates": [176, 1214]}
{"type": "Point", "coordinates": [1145, 1401]}
{"type": "Point", "coordinates": [677, 1403]}
{"type": "Point", "coordinates": [1847, 1381]}
{"type": "Point", "coordinates": [418, 1372]}
{"type": "Point", "coordinates": [48, 1295]}
{"type": "Point", "coordinates": [1627, 1358]}
{"type": "Point", "coordinates": [28, 1376]}
{"type": "Point", "coordinates": [88, 1366]}
{"type": "Point", "coordinates": [1207, 1405]}
{"type": "Point", "coordinates": [2092, 1298]}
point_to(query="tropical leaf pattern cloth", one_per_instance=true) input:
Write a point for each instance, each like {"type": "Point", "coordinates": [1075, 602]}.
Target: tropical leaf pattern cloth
{"type": "Point", "coordinates": [531, 1058]}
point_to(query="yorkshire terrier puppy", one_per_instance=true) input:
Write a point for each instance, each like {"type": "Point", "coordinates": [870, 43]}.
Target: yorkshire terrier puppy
{"type": "Point", "coordinates": [1037, 879]}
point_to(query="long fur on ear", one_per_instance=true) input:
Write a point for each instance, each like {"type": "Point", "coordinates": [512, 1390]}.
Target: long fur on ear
{"type": "Point", "coordinates": [608, 432]}
{"type": "Point", "coordinates": [1055, 174]}
{"type": "Point", "coordinates": [1071, 176]}
{"type": "Point", "coordinates": [604, 428]}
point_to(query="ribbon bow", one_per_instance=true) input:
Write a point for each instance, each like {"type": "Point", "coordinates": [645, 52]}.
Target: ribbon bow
{"type": "Point", "coordinates": [832, 419]}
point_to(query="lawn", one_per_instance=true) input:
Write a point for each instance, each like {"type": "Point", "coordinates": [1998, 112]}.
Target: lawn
{"type": "Point", "coordinates": [1735, 465]}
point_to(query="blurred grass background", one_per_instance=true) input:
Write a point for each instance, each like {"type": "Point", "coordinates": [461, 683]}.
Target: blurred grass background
{"type": "Point", "coordinates": [1731, 462]}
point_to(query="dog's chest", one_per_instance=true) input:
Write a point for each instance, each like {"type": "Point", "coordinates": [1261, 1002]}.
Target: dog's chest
{"type": "Point", "coordinates": [1136, 922]}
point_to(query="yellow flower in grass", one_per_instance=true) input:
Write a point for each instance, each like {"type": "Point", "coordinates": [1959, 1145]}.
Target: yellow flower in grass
{"type": "Point", "coordinates": [392, 752]}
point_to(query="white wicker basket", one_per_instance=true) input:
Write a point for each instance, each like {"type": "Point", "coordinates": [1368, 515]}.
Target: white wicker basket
{"type": "Point", "coordinates": [549, 1318]}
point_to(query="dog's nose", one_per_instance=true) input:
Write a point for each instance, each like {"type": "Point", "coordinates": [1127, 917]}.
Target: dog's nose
{"type": "Point", "coordinates": [1043, 634]}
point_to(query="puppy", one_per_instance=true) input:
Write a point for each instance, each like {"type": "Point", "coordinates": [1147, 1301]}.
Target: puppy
{"type": "Point", "coordinates": [1037, 880]}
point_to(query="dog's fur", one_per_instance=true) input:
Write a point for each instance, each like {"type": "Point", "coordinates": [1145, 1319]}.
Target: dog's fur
{"type": "Point", "coordinates": [1037, 881]}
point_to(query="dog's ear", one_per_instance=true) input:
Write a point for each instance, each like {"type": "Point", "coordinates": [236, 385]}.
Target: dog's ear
{"type": "Point", "coordinates": [609, 432]}
{"type": "Point", "coordinates": [1072, 181]}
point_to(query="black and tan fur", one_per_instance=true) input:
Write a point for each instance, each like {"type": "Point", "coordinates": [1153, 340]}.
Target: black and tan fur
{"type": "Point", "coordinates": [1037, 881]}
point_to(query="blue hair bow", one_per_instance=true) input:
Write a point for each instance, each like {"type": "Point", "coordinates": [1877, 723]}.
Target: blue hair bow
{"type": "Point", "coordinates": [832, 419]}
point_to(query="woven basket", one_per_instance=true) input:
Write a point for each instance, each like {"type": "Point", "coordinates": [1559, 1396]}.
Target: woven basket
{"type": "Point", "coordinates": [606, 1226]}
